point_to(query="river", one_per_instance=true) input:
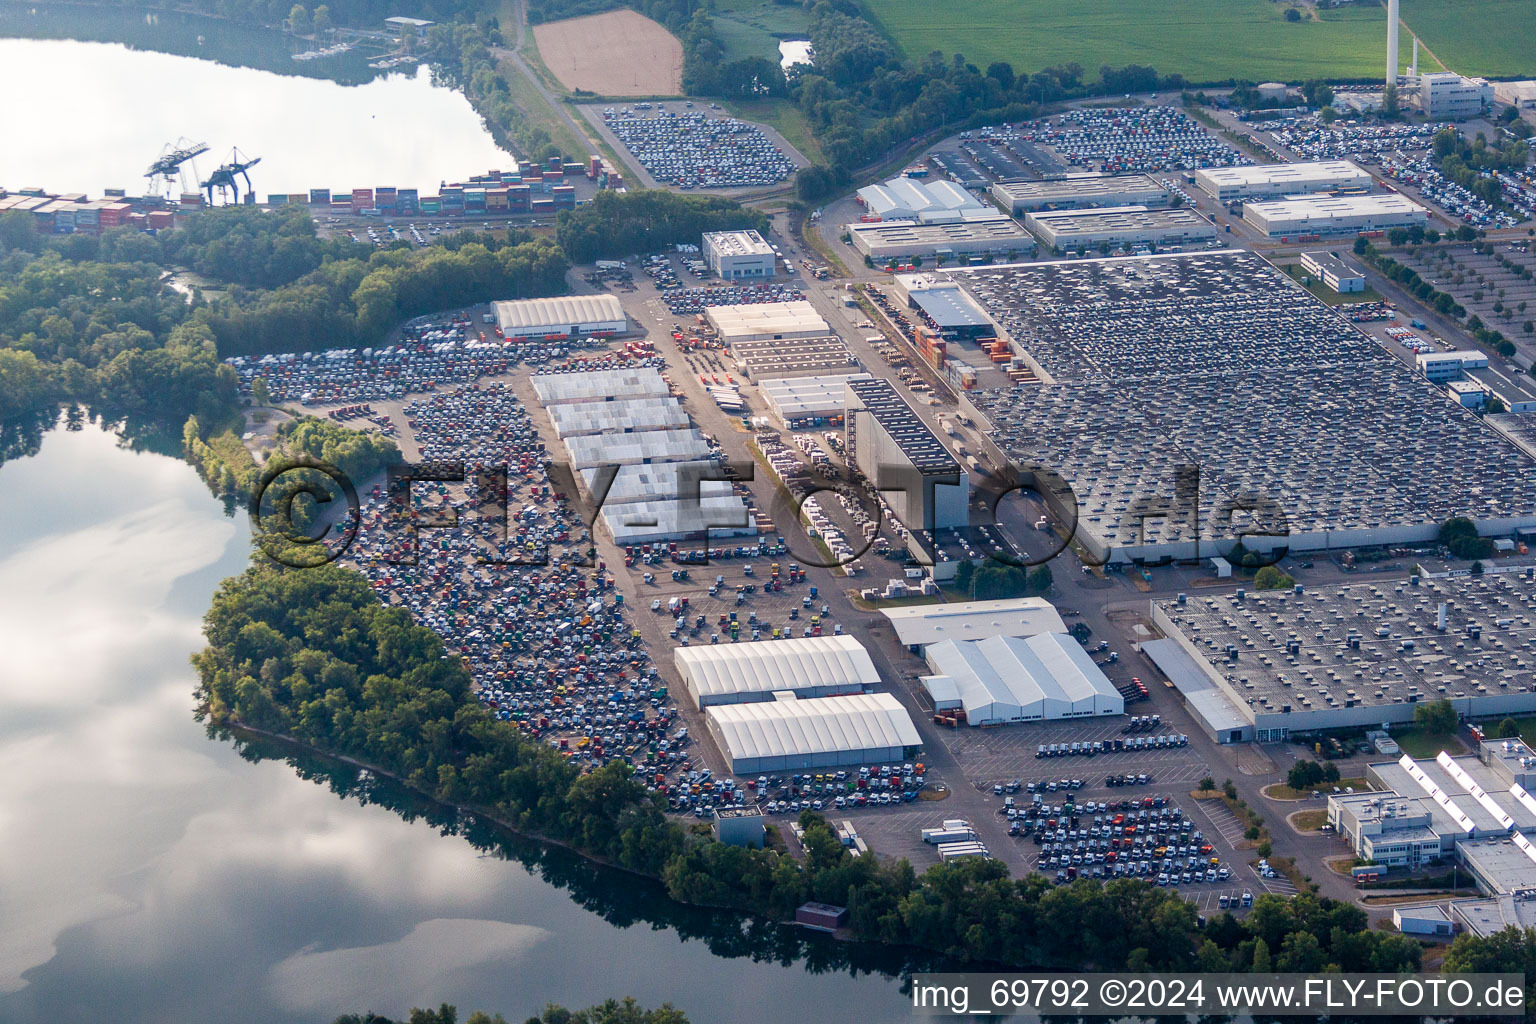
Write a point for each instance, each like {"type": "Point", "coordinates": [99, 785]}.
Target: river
{"type": "Point", "coordinates": [83, 114]}
{"type": "Point", "coordinates": [150, 873]}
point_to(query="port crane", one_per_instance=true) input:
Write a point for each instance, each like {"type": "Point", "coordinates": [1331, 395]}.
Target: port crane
{"type": "Point", "coordinates": [227, 177]}
{"type": "Point", "coordinates": [167, 168]}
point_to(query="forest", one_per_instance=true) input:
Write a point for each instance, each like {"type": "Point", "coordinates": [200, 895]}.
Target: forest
{"type": "Point", "coordinates": [617, 224]}
{"type": "Point", "coordinates": [313, 655]}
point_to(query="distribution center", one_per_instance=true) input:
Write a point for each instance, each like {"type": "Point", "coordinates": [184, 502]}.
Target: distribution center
{"type": "Point", "coordinates": [812, 666]}
{"type": "Point", "coordinates": [1119, 226]}
{"type": "Point", "coordinates": [1335, 215]}
{"type": "Point", "coordinates": [989, 235]}
{"type": "Point", "coordinates": [1005, 679]}
{"type": "Point", "coordinates": [563, 316]}
{"type": "Point", "coordinates": [785, 735]}
{"type": "Point", "coordinates": [893, 448]}
{"type": "Point", "coordinates": [1265, 180]}
{"type": "Point", "coordinates": [1077, 191]}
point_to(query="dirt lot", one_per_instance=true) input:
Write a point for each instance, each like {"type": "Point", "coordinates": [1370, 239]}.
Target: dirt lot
{"type": "Point", "coordinates": [621, 53]}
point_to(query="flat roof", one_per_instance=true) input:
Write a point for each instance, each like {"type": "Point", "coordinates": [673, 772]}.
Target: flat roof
{"type": "Point", "coordinates": [1493, 914]}
{"type": "Point", "coordinates": [1200, 692]}
{"type": "Point", "coordinates": [1118, 218]}
{"type": "Point", "coordinates": [1500, 863]}
{"type": "Point", "coordinates": [599, 385]}
{"type": "Point", "coordinates": [904, 426]}
{"type": "Point", "coordinates": [1342, 171]}
{"type": "Point", "coordinates": [1330, 207]}
{"type": "Point", "coordinates": [797, 316]}
{"type": "Point", "coordinates": [1077, 188]}
{"type": "Point", "coordinates": [1000, 228]}
{"type": "Point", "coordinates": [1401, 659]}
{"type": "Point", "coordinates": [973, 620]}
{"type": "Point", "coordinates": [949, 307]}
{"type": "Point", "coordinates": [737, 243]}
{"type": "Point", "coordinates": [822, 725]}
{"type": "Point", "coordinates": [1333, 263]}
{"type": "Point", "coordinates": [617, 417]}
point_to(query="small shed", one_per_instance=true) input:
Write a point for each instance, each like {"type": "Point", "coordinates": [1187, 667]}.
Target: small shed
{"type": "Point", "coordinates": [1430, 919]}
{"type": "Point", "coordinates": [821, 916]}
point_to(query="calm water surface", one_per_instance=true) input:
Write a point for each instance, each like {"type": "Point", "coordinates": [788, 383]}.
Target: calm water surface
{"type": "Point", "coordinates": [148, 873]}
{"type": "Point", "coordinates": [81, 116]}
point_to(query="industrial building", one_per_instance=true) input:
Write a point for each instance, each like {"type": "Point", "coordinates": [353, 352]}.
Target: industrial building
{"type": "Point", "coordinates": [1441, 367]}
{"type": "Point", "coordinates": [1520, 95]}
{"type": "Point", "coordinates": [796, 403]}
{"type": "Point", "coordinates": [563, 316]}
{"type": "Point", "coordinates": [1356, 655]}
{"type": "Point", "coordinates": [1006, 679]}
{"type": "Point", "coordinates": [598, 386]}
{"type": "Point", "coordinates": [891, 446]}
{"type": "Point", "coordinates": [789, 735]}
{"type": "Point", "coordinates": [932, 202]}
{"type": "Point", "coordinates": [918, 626]}
{"type": "Point", "coordinates": [952, 312]}
{"type": "Point", "coordinates": [591, 450]}
{"type": "Point", "coordinates": [738, 255]}
{"type": "Point", "coordinates": [1266, 180]}
{"type": "Point", "coordinates": [812, 666]}
{"type": "Point", "coordinates": [1334, 215]}
{"type": "Point", "coordinates": [739, 826]}
{"type": "Point", "coordinates": [666, 485]}
{"type": "Point", "coordinates": [817, 355]}
{"type": "Point", "coordinates": [1117, 415]}
{"type": "Point", "coordinates": [1118, 226]}
{"type": "Point", "coordinates": [1080, 190]}
{"type": "Point", "coordinates": [620, 416]}
{"type": "Point", "coordinates": [1447, 96]}
{"type": "Point", "coordinates": [766, 321]}
{"type": "Point", "coordinates": [989, 235]}
{"type": "Point", "coordinates": [1334, 271]}
{"type": "Point", "coordinates": [1476, 811]}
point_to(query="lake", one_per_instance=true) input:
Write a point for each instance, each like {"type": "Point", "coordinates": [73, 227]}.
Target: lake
{"type": "Point", "coordinates": [151, 874]}
{"type": "Point", "coordinates": [84, 114]}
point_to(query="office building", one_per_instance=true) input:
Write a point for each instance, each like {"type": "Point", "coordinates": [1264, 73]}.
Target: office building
{"type": "Point", "coordinates": [738, 255]}
{"type": "Point", "coordinates": [1334, 271]}
{"type": "Point", "coordinates": [1447, 96]}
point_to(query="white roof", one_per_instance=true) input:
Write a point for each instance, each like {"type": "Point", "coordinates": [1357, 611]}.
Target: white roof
{"type": "Point", "coordinates": [905, 197]}
{"type": "Point", "coordinates": [559, 311]}
{"type": "Point", "coordinates": [639, 483]}
{"type": "Point", "coordinates": [627, 414]}
{"type": "Point", "coordinates": [1333, 208]}
{"type": "Point", "coordinates": [1341, 171]}
{"type": "Point", "coordinates": [588, 450]}
{"type": "Point", "coordinates": [768, 318]}
{"type": "Point", "coordinates": [794, 397]}
{"type": "Point", "coordinates": [737, 243]}
{"type": "Point", "coordinates": [769, 665]}
{"type": "Point", "coordinates": [1048, 674]}
{"type": "Point", "coordinates": [824, 725]}
{"type": "Point", "coordinates": [599, 385]}
{"type": "Point", "coordinates": [974, 620]}
{"type": "Point", "coordinates": [640, 522]}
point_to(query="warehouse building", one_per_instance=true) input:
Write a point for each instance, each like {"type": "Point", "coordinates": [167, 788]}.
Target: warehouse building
{"type": "Point", "coordinates": [677, 518]}
{"type": "Point", "coordinates": [642, 446]}
{"type": "Point", "coordinates": [800, 403]}
{"type": "Point", "coordinates": [563, 316]}
{"type": "Point", "coordinates": [812, 666]}
{"type": "Point", "coordinates": [1441, 367]}
{"type": "Point", "coordinates": [903, 241]}
{"type": "Point", "coordinates": [1447, 96]}
{"type": "Point", "coordinates": [760, 358]}
{"type": "Point", "coordinates": [766, 321]}
{"type": "Point", "coordinates": [891, 446]}
{"type": "Point", "coordinates": [598, 386]}
{"type": "Point", "coordinates": [1357, 655]}
{"type": "Point", "coordinates": [1077, 191]}
{"type": "Point", "coordinates": [1118, 226]}
{"type": "Point", "coordinates": [789, 735]}
{"type": "Point", "coordinates": [1520, 95]}
{"type": "Point", "coordinates": [1266, 180]}
{"type": "Point", "coordinates": [637, 483]}
{"type": "Point", "coordinates": [1334, 215]}
{"type": "Point", "coordinates": [738, 255]}
{"type": "Point", "coordinates": [1334, 271]}
{"type": "Point", "coordinates": [930, 202]}
{"type": "Point", "coordinates": [918, 626]}
{"type": "Point", "coordinates": [1006, 679]}
{"type": "Point", "coordinates": [620, 416]}
{"type": "Point", "coordinates": [945, 304]}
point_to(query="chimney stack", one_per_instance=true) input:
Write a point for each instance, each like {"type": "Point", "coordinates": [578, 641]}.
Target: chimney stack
{"type": "Point", "coordinates": [1392, 16]}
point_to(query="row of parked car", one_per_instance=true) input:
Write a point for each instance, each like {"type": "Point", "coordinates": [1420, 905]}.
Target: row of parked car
{"type": "Point", "coordinates": [1092, 748]}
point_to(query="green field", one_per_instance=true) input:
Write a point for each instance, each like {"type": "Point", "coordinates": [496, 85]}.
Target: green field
{"type": "Point", "coordinates": [1474, 37]}
{"type": "Point", "coordinates": [783, 117]}
{"type": "Point", "coordinates": [1212, 40]}
{"type": "Point", "coordinates": [753, 28]}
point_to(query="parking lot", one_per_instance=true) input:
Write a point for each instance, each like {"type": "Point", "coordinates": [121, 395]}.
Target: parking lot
{"type": "Point", "coordinates": [690, 148]}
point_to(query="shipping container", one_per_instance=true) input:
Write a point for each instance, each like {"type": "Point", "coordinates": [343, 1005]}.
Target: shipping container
{"type": "Point", "coordinates": [320, 197]}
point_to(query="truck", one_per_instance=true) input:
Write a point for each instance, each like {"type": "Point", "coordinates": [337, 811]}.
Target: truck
{"type": "Point", "coordinates": [955, 851]}
{"type": "Point", "coordinates": [942, 836]}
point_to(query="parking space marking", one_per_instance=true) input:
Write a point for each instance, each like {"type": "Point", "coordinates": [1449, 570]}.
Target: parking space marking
{"type": "Point", "coordinates": [1223, 821]}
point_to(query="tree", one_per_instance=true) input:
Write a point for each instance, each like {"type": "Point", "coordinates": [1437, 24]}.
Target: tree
{"type": "Point", "coordinates": [1330, 772]}
{"type": "Point", "coordinates": [1389, 100]}
{"type": "Point", "coordinates": [1304, 774]}
{"type": "Point", "coordinates": [1436, 716]}
{"type": "Point", "coordinates": [1508, 729]}
{"type": "Point", "coordinates": [1207, 784]}
{"type": "Point", "coordinates": [1040, 579]}
{"type": "Point", "coordinates": [298, 20]}
{"type": "Point", "coordinates": [322, 20]}
{"type": "Point", "coordinates": [1292, 14]}
{"type": "Point", "coordinates": [1260, 963]}
{"type": "Point", "coordinates": [1361, 245]}
{"type": "Point", "coordinates": [260, 394]}
{"type": "Point", "coordinates": [1264, 849]}
{"type": "Point", "coordinates": [1271, 578]}
{"type": "Point", "coordinates": [1459, 536]}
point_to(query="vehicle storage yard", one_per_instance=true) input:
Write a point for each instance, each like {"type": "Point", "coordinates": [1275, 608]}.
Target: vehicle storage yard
{"type": "Point", "coordinates": [696, 149]}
